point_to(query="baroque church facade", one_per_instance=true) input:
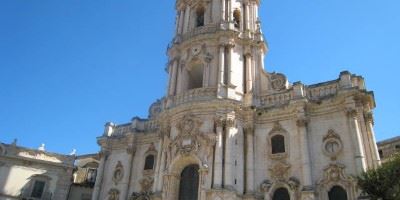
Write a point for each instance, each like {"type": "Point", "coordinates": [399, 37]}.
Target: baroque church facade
{"type": "Point", "coordinates": [227, 129]}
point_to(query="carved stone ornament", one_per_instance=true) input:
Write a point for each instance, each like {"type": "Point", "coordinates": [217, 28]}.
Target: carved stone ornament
{"type": "Point", "coordinates": [113, 194]}
{"type": "Point", "coordinates": [293, 183]}
{"type": "Point", "coordinates": [265, 186]}
{"type": "Point", "coordinates": [278, 81]}
{"type": "Point", "coordinates": [196, 50]}
{"type": "Point", "coordinates": [118, 173]}
{"type": "Point", "coordinates": [277, 128]}
{"type": "Point", "coordinates": [140, 196]}
{"type": "Point", "coordinates": [332, 145]}
{"type": "Point", "coordinates": [335, 173]}
{"type": "Point", "coordinates": [146, 184]}
{"type": "Point", "coordinates": [191, 141]}
{"type": "Point", "coordinates": [280, 171]}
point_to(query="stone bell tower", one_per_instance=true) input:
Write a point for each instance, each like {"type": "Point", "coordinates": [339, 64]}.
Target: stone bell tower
{"type": "Point", "coordinates": [217, 44]}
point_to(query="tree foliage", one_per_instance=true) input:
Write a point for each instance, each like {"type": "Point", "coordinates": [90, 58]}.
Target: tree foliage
{"type": "Point", "coordinates": [382, 182]}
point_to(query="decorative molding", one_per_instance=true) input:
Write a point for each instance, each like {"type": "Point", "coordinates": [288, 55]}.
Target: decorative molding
{"type": "Point", "coordinates": [369, 117]}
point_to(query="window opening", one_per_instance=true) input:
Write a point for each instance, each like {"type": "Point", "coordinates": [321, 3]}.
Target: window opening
{"type": "Point", "coordinates": [278, 144]}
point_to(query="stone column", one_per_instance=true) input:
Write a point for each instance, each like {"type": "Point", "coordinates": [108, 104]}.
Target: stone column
{"type": "Point", "coordinates": [128, 169]}
{"type": "Point", "coordinates": [231, 132]}
{"type": "Point", "coordinates": [229, 47]}
{"type": "Point", "coordinates": [186, 21]}
{"type": "Point", "coordinates": [249, 77]}
{"type": "Point", "coordinates": [223, 14]}
{"type": "Point", "coordinates": [247, 16]}
{"type": "Point", "coordinates": [181, 18]}
{"type": "Point", "coordinates": [202, 186]}
{"type": "Point", "coordinates": [357, 139]}
{"type": "Point", "coordinates": [173, 77]}
{"type": "Point", "coordinates": [250, 160]}
{"type": "Point", "coordinates": [100, 173]}
{"type": "Point", "coordinates": [219, 146]}
{"type": "Point", "coordinates": [221, 65]}
{"type": "Point", "coordinates": [374, 148]}
{"type": "Point", "coordinates": [306, 164]}
{"type": "Point", "coordinates": [206, 76]}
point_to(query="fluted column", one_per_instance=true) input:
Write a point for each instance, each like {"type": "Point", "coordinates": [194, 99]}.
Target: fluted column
{"type": "Point", "coordinates": [249, 160]}
{"type": "Point", "coordinates": [358, 142]}
{"type": "Point", "coordinates": [306, 164]}
{"type": "Point", "coordinates": [128, 169]}
{"type": "Point", "coordinates": [219, 146]}
{"type": "Point", "coordinates": [370, 128]}
{"type": "Point", "coordinates": [100, 173]}
{"type": "Point", "coordinates": [231, 132]}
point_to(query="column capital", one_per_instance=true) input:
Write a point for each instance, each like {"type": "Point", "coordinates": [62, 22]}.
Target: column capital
{"type": "Point", "coordinates": [230, 122]}
{"type": "Point", "coordinates": [302, 122]}
{"type": "Point", "coordinates": [352, 113]}
{"type": "Point", "coordinates": [131, 150]}
{"type": "Point", "coordinates": [219, 121]}
{"type": "Point", "coordinates": [369, 117]}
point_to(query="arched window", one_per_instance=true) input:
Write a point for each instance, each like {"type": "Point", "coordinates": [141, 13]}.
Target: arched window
{"type": "Point", "coordinates": [195, 73]}
{"type": "Point", "coordinates": [278, 144]}
{"type": "Point", "coordinates": [236, 18]}
{"type": "Point", "coordinates": [337, 193]}
{"type": "Point", "coordinates": [189, 183]}
{"type": "Point", "coordinates": [281, 194]}
{"type": "Point", "coordinates": [200, 16]}
{"type": "Point", "coordinates": [149, 162]}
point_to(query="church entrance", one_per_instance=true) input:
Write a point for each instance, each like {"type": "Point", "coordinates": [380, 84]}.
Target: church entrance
{"type": "Point", "coordinates": [281, 194]}
{"type": "Point", "coordinates": [337, 193]}
{"type": "Point", "coordinates": [189, 183]}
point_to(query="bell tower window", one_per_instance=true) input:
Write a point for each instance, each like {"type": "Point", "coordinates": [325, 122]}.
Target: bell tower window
{"type": "Point", "coordinates": [195, 75]}
{"type": "Point", "coordinates": [200, 16]}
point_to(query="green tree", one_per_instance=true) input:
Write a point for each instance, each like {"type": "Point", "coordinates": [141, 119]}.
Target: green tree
{"type": "Point", "coordinates": [382, 182]}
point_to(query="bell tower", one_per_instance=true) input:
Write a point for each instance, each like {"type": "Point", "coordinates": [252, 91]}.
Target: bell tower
{"type": "Point", "coordinates": [218, 45]}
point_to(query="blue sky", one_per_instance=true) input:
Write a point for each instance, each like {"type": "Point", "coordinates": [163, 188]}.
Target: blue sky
{"type": "Point", "coordinates": [67, 67]}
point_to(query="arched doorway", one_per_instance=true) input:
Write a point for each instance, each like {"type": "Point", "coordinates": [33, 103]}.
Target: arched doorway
{"type": "Point", "coordinates": [281, 194]}
{"type": "Point", "coordinates": [189, 183]}
{"type": "Point", "coordinates": [337, 193]}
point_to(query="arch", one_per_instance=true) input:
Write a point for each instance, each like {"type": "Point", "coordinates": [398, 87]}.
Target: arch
{"type": "Point", "coordinates": [200, 11]}
{"type": "Point", "coordinates": [236, 18]}
{"type": "Point", "coordinates": [195, 74]}
{"type": "Point", "coordinates": [281, 194]}
{"type": "Point", "coordinates": [337, 193]}
{"type": "Point", "coordinates": [278, 144]}
{"type": "Point", "coordinates": [149, 162]}
{"type": "Point", "coordinates": [189, 183]}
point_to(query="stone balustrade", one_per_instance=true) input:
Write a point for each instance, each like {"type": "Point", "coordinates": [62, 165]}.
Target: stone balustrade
{"type": "Point", "coordinates": [319, 91]}
{"type": "Point", "coordinates": [199, 94]}
{"type": "Point", "coordinates": [276, 99]}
